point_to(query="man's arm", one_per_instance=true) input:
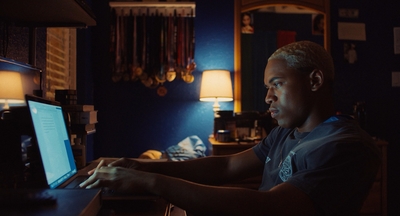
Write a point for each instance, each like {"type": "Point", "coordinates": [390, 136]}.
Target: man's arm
{"type": "Point", "coordinates": [212, 170]}
{"type": "Point", "coordinates": [175, 182]}
{"type": "Point", "coordinates": [197, 199]}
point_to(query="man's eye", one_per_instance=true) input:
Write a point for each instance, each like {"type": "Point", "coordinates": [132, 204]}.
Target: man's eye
{"type": "Point", "coordinates": [277, 84]}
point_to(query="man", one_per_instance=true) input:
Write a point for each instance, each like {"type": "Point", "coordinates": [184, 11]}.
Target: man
{"type": "Point", "coordinates": [313, 163]}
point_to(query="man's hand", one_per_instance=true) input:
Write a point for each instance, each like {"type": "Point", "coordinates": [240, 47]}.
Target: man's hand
{"type": "Point", "coordinates": [117, 178]}
{"type": "Point", "coordinates": [126, 163]}
{"type": "Point", "coordinates": [112, 162]}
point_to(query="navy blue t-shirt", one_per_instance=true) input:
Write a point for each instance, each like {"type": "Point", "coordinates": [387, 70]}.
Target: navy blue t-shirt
{"type": "Point", "coordinates": [335, 164]}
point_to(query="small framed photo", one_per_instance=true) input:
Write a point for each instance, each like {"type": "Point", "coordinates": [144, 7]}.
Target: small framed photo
{"type": "Point", "coordinates": [318, 24]}
{"type": "Point", "coordinates": [247, 23]}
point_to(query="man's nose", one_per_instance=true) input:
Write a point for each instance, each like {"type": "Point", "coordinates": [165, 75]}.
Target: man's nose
{"type": "Point", "coordinates": [270, 97]}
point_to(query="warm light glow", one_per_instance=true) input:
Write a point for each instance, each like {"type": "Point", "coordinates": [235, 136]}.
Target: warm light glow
{"type": "Point", "coordinates": [11, 88]}
{"type": "Point", "coordinates": [216, 85]}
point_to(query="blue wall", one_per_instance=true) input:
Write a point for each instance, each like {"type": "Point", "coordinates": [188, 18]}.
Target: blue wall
{"type": "Point", "coordinates": [133, 118]}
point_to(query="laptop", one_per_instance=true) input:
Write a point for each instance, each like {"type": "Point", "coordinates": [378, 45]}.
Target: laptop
{"type": "Point", "coordinates": [55, 149]}
{"type": "Point", "coordinates": [53, 143]}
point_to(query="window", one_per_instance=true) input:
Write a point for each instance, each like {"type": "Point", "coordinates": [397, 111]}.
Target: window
{"type": "Point", "coordinates": [60, 60]}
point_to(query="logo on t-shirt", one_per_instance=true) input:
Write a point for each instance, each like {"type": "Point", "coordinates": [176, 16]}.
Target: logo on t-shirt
{"type": "Point", "coordinates": [286, 171]}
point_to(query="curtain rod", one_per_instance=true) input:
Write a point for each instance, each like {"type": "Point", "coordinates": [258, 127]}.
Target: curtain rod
{"type": "Point", "coordinates": [153, 4]}
{"type": "Point", "coordinates": [183, 8]}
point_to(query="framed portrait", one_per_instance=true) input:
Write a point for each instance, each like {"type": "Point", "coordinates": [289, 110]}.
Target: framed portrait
{"type": "Point", "coordinates": [318, 24]}
{"type": "Point", "coordinates": [247, 23]}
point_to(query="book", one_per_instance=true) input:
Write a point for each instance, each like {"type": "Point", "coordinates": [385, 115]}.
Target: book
{"type": "Point", "coordinates": [78, 107]}
{"type": "Point", "coordinates": [79, 128]}
{"type": "Point", "coordinates": [87, 117]}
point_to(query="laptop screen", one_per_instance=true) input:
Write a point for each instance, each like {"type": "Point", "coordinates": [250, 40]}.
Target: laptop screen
{"type": "Point", "coordinates": [53, 141]}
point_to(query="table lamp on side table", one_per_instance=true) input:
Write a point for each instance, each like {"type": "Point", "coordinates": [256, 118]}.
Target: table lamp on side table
{"type": "Point", "coordinates": [216, 85]}
{"type": "Point", "coordinates": [10, 88]}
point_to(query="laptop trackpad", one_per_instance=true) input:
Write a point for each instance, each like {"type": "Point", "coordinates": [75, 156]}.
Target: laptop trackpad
{"type": "Point", "coordinates": [75, 183]}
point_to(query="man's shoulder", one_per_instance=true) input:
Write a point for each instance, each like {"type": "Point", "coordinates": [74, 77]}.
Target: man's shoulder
{"type": "Point", "coordinates": [341, 125]}
{"type": "Point", "coordinates": [345, 131]}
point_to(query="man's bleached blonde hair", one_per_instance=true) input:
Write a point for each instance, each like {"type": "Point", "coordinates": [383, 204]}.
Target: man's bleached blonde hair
{"type": "Point", "coordinates": [306, 55]}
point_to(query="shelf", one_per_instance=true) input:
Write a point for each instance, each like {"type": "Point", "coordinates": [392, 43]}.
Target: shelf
{"type": "Point", "coordinates": [166, 7]}
{"type": "Point", "coordinates": [47, 13]}
{"type": "Point", "coordinates": [191, 5]}
{"type": "Point", "coordinates": [12, 65]}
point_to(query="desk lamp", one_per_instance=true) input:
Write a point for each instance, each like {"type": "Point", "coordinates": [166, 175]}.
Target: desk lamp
{"type": "Point", "coordinates": [216, 85]}
{"type": "Point", "coordinates": [10, 88]}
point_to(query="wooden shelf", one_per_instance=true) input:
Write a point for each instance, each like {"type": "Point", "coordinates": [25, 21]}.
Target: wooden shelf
{"type": "Point", "coordinates": [166, 7]}
{"type": "Point", "coordinates": [191, 5]}
{"type": "Point", "coordinates": [47, 13]}
{"type": "Point", "coordinates": [12, 65]}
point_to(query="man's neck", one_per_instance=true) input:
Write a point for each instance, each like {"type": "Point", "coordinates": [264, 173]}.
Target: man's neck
{"type": "Point", "coordinates": [313, 121]}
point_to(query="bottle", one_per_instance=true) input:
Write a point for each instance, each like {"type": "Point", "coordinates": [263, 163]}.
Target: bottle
{"type": "Point", "coordinates": [257, 130]}
{"type": "Point", "coordinates": [79, 152]}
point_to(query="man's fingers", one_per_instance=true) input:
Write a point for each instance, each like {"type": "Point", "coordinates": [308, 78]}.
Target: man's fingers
{"type": "Point", "coordinates": [101, 163]}
{"type": "Point", "coordinates": [98, 173]}
{"type": "Point", "coordinates": [97, 184]}
{"type": "Point", "coordinates": [87, 182]}
{"type": "Point", "coordinates": [119, 162]}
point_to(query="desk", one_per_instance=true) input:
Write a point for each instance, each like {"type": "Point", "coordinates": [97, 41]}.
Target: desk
{"type": "Point", "coordinates": [157, 207]}
{"type": "Point", "coordinates": [227, 148]}
{"type": "Point", "coordinates": [81, 202]}
{"type": "Point", "coordinates": [62, 202]}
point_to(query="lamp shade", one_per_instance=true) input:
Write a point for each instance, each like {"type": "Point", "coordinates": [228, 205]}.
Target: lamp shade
{"type": "Point", "coordinates": [216, 85]}
{"type": "Point", "coordinates": [11, 87]}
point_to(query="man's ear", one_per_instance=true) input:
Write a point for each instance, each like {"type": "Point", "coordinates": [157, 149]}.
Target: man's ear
{"type": "Point", "coordinates": [316, 79]}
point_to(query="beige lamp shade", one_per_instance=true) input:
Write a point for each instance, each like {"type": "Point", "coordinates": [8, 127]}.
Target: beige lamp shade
{"type": "Point", "coordinates": [11, 88]}
{"type": "Point", "coordinates": [216, 85]}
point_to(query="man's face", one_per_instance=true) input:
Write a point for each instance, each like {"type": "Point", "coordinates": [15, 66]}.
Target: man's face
{"type": "Point", "coordinates": [289, 94]}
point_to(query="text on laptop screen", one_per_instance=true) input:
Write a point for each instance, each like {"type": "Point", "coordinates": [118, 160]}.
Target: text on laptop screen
{"type": "Point", "coordinates": [53, 141]}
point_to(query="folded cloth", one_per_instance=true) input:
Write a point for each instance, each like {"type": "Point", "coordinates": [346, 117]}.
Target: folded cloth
{"type": "Point", "coordinates": [189, 148]}
{"type": "Point", "coordinates": [151, 154]}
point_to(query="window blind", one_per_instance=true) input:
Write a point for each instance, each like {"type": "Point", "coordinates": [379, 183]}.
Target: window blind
{"type": "Point", "coordinates": [60, 60]}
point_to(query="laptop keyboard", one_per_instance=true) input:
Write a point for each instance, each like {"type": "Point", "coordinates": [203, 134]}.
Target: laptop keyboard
{"type": "Point", "coordinates": [75, 183]}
